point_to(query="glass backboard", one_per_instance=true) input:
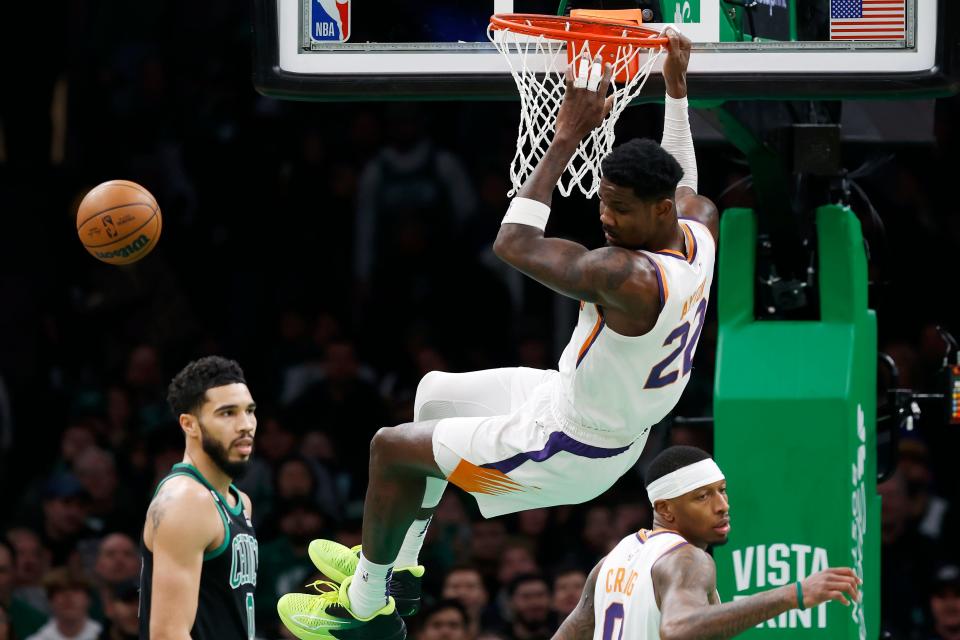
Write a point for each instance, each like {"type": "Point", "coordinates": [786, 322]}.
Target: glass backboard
{"type": "Point", "coordinates": [747, 49]}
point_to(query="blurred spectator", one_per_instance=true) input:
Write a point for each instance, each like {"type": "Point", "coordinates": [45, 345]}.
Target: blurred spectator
{"type": "Point", "coordinates": [464, 584]}
{"type": "Point", "coordinates": [17, 618]}
{"type": "Point", "coordinates": [904, 553]}
{"type": "Point", "coordinates": [928, 510]}
{"type": "Point", "coordinates": [448, 540]}
{"type": "Point", "coordinates": [31, 562]}
{"type": "Point", "coordinates": [299, 477]}
{"type": "Point", "coordinates": [110, 506]}
{"type": "Point", "coordinates": [6, 624]}
{"type": "Point", "coordinates": [568, 585]}
{"type": "Point", "coordinates": [274, 440]}
{"type": "Point", "coordinates": [487, 538]}
{"type": "Point", "coordinates": [530, 614]}
{"type": "Point", "coordinates": [166, 450]}
{"type": "Point", "coordinates": [409, 189]}
{"type": "Point", "coordinates": [516, 558]}
{"type": "Point", "coordinates": [65, 507]}
{"type": "Point", "coordinates": [445, 620]}
{"type": "Point", "coordinates": [691, 435]}
{"type": "Point", "coordinates": [147, 385]}
{"type": "Point", "coordinates": [533, 523]}
{"type": "Point", "coordinates": [597, 536]}
{"type": "Point", "coordinates": [334, 481]}
{"type": "Point", "coordinates": [118, 414]}
{"type": "Point", "coordinates": [79, 436]}
{"type": "Point", "coordinates": [945, 603]}
{"type": "Point", "coordinates": [284, 565]}
{"type": "Point", "coordinates": [69, 596]}
{"type": "Point", "coordinates": [346, 403]}
{"type": "Point", "coordinates": [118, 561]}
{"type": "Point", "coordinates": [122, 611]}
{"type": "Point", "coordinates": [630, 516]}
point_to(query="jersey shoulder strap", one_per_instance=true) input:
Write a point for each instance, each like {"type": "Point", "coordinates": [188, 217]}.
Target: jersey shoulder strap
{"type": "Point", "coordinates": [184, 469]}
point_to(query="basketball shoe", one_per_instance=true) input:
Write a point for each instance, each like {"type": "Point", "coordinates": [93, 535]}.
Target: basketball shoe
{"type": "Point", "coordinates": [338, 563]}
{"type": "Point", "coordinates": [327, 615]}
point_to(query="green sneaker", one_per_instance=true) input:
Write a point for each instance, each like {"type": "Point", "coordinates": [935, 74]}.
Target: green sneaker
{"type": "Point", "coordinates": [338, 563]}
{"type": "Point", "coordinates": [328, 615]}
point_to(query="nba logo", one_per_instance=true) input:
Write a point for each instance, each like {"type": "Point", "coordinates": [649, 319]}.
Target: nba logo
{"type": "Point", "coordinates": [330, 20]}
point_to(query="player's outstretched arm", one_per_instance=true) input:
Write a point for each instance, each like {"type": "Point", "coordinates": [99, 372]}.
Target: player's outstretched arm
{"type": "Point", "coordinates": [686, 579]}
{"type": "Point", "coordinates": [677, 139]}
{"type": "Point", "coordinates": [579, 624]}
{"type": "Point", "coordinates": [182, 523]}
{"type": "Point", "coordinates": [605, 276]}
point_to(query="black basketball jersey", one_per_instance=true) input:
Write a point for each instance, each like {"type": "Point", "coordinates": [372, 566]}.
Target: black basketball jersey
{"type": "Point", "coordinates": [227, 580]}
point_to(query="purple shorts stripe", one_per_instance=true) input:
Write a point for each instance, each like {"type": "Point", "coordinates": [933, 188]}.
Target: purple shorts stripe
{"type": "Point", "coordinates": [557, 442]}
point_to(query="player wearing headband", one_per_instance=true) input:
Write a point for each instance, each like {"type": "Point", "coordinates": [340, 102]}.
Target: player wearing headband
{"type": "Point", "coordinates": [659, 583]}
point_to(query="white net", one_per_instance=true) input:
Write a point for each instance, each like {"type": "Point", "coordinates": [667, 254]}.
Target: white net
{"type": "Point", "coordinates": [541, 93]}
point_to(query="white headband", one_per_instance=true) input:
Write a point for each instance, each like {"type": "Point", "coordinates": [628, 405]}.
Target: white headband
{"type": "Point", "coordinates": [684, 480]}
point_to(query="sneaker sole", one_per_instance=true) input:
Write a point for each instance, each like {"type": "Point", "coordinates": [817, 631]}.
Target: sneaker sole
{"type": "Point", "coordinates": [380, 628]}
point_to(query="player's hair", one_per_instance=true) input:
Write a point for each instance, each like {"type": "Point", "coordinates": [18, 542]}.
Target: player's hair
{"type": "Point", "coordinates": [673, 458]}
{"type": "Point", "coordinates": [645, 166]}
{"type": "Point", "coordinates": [188, 389]}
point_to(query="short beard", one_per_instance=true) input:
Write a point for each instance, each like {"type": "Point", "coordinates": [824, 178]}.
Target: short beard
{"type": "Point", "coordinates": [221, 456]}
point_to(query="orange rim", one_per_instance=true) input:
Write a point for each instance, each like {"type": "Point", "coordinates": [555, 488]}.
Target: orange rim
{"type": "Point", "coordinates": [577, 29]}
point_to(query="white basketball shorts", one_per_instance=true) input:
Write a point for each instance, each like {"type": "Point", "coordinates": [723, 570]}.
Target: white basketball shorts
{"type": "Point", "coordinates": [499, 439]}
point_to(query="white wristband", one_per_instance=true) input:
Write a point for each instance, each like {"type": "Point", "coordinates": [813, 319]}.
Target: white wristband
{"type": "Point", "coordinates": [677, 139]}
{"type": "Point", "coordinates": [529, 212]}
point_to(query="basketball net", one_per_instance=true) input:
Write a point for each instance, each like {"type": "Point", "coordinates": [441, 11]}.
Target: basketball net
{"type": "Point", "coordinates": [541, 95]}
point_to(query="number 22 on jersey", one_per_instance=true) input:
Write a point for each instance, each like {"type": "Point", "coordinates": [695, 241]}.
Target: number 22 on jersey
{"type": "Point", "coordinates": [664, 372]}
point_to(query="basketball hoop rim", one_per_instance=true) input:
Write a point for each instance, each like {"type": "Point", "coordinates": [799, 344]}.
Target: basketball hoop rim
{"type": "Point", "coordinates": [582, 29]}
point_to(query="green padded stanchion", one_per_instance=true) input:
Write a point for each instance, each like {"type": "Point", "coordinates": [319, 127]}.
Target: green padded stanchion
{"type": "Point", "coordinates": [795, 412]}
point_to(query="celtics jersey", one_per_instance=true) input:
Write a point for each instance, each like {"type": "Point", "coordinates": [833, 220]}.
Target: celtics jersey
{"type": "Point", "coordinates": [228, 578]}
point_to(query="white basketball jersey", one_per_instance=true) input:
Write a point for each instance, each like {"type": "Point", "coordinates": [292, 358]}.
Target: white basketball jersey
{"type": "Point", "coordinates": [616, 387]}
{"type": "Point", "coordinates": [625, 604]}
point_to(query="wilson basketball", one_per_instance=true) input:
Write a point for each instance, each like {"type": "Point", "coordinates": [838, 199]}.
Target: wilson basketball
{"type": "Point", "coordinates": [119, 222]}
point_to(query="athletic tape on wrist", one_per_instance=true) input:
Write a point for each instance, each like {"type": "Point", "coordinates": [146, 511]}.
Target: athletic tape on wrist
{"type": "Point", "coordinates": [677, 139]}
{"type": "Point", "coordinates": [684, 480]}
{"type": "Point", "coordinates": [529, 212]}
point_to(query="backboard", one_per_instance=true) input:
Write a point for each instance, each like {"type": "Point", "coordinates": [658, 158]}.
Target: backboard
{"type": "Point", "coordinates": [747, 49]}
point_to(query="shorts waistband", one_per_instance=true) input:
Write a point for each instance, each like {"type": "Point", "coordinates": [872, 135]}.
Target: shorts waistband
{"type": "Point", "coordinates": [588, 435]}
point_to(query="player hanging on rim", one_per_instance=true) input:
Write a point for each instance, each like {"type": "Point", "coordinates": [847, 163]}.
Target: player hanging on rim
{"type": "Point", "coordinates": [522, 438]}
{"type": "Point", "coordinates": [199, 550]}
{"type": "Point", "coordinates": [659, 583]}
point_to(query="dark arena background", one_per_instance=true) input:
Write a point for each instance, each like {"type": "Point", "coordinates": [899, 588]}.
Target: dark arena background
{"type": "Point", "coordinates": [341, 248]}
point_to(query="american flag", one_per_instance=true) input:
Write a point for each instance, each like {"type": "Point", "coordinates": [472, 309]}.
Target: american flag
{"type": "Point", "coordinates": [867, 19]}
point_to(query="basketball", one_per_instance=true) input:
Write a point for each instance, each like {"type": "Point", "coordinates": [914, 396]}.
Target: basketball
{"type": "Point", "coordinates": [119, 222]}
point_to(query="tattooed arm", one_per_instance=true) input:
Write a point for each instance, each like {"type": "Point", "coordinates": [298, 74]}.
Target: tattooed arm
{"type": "Point", "coordinates": [182, 523]}
{"type": "Point", "coordinates": [686, 580]}
{"type": "Point", "coordinates": [579, 624]}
